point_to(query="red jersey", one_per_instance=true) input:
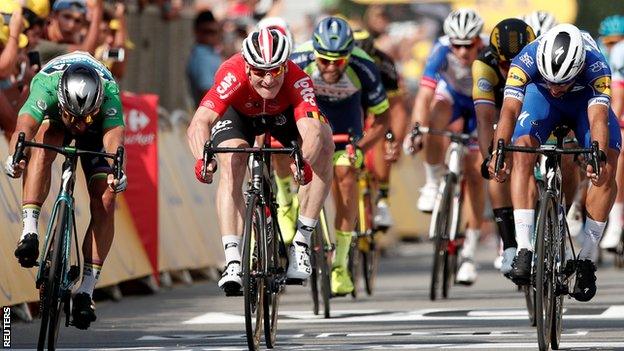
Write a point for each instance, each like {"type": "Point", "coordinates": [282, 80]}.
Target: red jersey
{"type": "Point", "coordinates": [232, 88]}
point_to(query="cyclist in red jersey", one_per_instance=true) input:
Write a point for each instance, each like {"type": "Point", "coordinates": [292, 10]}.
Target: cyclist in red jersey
{"type": "Point", "coordinates": [256, 91]}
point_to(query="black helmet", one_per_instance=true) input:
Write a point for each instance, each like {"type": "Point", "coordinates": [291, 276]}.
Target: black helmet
{"type": "Point", "coordinates": [80, 90]}
{"type": "Point", "coordinates": [509, 37]}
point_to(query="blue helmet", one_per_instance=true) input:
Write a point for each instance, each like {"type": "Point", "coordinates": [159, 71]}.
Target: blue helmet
{"type": "Point", "coordinates": [333, 37]}
{"type": "Point", "coordinates": [612, 25]}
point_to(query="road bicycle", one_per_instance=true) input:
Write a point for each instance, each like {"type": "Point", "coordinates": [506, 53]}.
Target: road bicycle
{"type": "Point", "coordinates": [446, 215]}
{"type": "Point", "coordinates": [57, 273]}
{"type": "Point", "coordinates": [264, 254]}
{"type": "Point", "coordinates": [321, 253]}
{"type": "Point", "coordinates": [552, 271]}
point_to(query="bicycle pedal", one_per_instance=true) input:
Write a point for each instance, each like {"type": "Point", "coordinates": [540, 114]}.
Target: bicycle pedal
{"type": "Point", "coordinates": [294, 281]}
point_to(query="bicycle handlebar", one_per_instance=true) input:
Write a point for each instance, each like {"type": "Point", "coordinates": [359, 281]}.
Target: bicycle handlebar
{"type": "Point", "coordinates": [294, 152]}
{"type": "Point", "coordinates": [68, 151]}
{"type": "Point", "coordinates": [547, 150]}
{"type": "Point", "coordinates": [457, 137]}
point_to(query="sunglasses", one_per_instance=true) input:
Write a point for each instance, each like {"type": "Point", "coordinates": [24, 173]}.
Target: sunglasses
{"type": "Point", "coordinates": [340, 61]}
{"type": "Point", "coordinates": [273, 72]}
{"type": "Point", "coordinates": [88, 119]}
{"type": "Point", "coordinates": [465, 46]}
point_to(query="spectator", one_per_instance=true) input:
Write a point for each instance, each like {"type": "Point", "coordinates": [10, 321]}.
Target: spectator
{"type": "Point", "coordinates": [15, 73]}
{"type": "Point", "coordinates": [113, 40]}
{"type": "Point", "coordinates": [205, 59]}
{"type": "Point", "coordinates": [66, 22]}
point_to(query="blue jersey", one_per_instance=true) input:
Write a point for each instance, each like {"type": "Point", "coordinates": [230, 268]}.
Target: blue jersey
{"type": "Point", "coordinates": [442, 64]}
{"type": "Point", "coordinates": [593, 83]}
{"type": "Point", "coordinates": [360, 87]}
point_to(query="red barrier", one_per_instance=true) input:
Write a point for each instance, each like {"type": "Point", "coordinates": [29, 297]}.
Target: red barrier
{"type": "Point", "coordinates": [141, 117]}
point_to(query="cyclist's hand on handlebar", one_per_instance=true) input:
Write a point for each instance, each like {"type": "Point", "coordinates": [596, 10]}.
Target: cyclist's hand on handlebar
{"type": "Point", "coordinates": [117, 185]}
{"type": "Point", "coordinates": [392, 150]}
{"type": "Point", "coordinates": [485, 167]}
{"type": "Point", "coordinates": [14, 170]}
{"type": "Point", "coordinates": [502, 174]}
{"type": "Point", "coordinates": [210, 169]}
{"type": "Point", "coordinates": [306, 173]}
{"type": "Point", "coordinates": [412, 144]}
{"type": "Point", "coordinates": [596, 179]}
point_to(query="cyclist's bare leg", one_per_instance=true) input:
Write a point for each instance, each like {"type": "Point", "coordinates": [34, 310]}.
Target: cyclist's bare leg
{"type": "Point", "coordinates": [523, 191]}
{"type": "Point", "coordinates": [38, 170]}
{"type": "Point", "coordinates": [570, 176]}
{"type": "Point", "coordinates": [441, 113]}
{"type": "Point", "coordinates": [474, 203]}
{"type": "Point", "coordinates": [318, 148]}
{"type": "Point", "coordinates": [230, 202]}
{"type": "Point", "coordinates": [613, 233]}
{"type": "Point", "coordinates": [344, 191]}
{"type": "Point", "coordinates": [281, 165]}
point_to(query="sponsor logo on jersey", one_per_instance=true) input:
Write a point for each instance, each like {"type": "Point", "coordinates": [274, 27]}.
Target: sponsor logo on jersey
{"type": "Point", "coordinates": [111, 112]}
{"type": "Point", "coordinates": [597, 66]}
{"type": "Point", "coordinates": [602, 85]}
{"type": "Point", "coordinates": [527, 59]}
{"type": "Point", "coordinates": [221, 126]}
{"type": "Point", "coordinates": [225, 86]}
{"type": "Point", "coordinates": [516, 77]}
{"type": "Point", "coordinates": [42, 105]}
{"type": "Point", "coordinates": [484, 85]}
{"type": "Point", "coordinates": [600, 100]}
{"type": "Point", "coordinates": [523, 116]}
{"type": "Point", "coordinates": [305, 90]}
{"type": "Point", "coordinates": [280, 120]}
{"type": "Point", "coordinates": [514, 94]}
{"type": "Point", "coordinates": [209, 104]}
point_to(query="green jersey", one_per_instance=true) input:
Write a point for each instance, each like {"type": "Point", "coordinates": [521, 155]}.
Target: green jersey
{"type": "Point", "coordinates": [43, 99]}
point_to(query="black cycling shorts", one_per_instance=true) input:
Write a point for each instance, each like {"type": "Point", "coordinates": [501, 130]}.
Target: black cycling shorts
{"type": "Point", "coordinates": [235, 125]}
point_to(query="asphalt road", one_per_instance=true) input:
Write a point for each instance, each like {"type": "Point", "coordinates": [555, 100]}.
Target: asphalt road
{"type": "Point", "coordinates": [490, 315]}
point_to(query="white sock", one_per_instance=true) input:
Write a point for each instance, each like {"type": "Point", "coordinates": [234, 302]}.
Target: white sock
{"type": "Point", "coordinates": [615, 216]}
{"type": "Point", "coordinates": [432, 172]}
{"type": "Point", "coordinates": [524, 221]}
{"type": "Point", "coordinates": [470, 243]}
{"type": "Point", "coordinates": [593, 232]}
{"type": "Point", "coordinates": [30, 219]}
{"type": "Point", "coordinates": [231, 244]}
{"type": "Point", "coordinates": [305, 227]}
{"type": "Point", "coordinates": [90, 276]}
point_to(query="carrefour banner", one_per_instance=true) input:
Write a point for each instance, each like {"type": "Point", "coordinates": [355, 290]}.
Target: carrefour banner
{"type": "Point", "coordinates": [141, 117]}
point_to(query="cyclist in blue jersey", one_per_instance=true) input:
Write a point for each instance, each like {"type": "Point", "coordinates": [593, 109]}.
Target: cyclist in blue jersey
{"type": "Point", "coordinates": [345, 80]}
{"type": "Point", "coordinates": [560, 78]}
{"type": "Point", "coordinates": [444, 100]}
{"type": "Point", "coordinates": [612, 44]}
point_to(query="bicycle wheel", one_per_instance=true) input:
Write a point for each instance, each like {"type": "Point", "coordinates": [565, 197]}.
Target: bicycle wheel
{"type": "Point", "coordinates": [314, 277]}
{"type": "Point", "coordinates": [321, 273]}
{"type": "Point", "coordinates": [368, 247]}
{"type": "Point", "coordinates": [354, 263]}
{"type": "Point", "coordinates": [50, 290]}
{"type": "Point", "coordinates": [450, 267]}
{"type": "Point", "coordinates": [619, 253]}
{"type": "Point", "coordinates": [272, 287]}
{"type": "Point", "coordinates": [253, 266]}
{"type": "Point", "coordinates": [441, 230]}
{"type": "Point", "coordinates": [529, 298]}
{"type": "Point", "coordinates": [544, 266]}
{"type": "Point", "coordinates": [558, 247]}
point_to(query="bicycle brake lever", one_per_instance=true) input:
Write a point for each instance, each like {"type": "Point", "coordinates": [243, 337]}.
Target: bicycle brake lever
{"type": "Point", "coordinates": [19, 148]}
{"type": "Point", "coordinates": [119, 158]}
{"type": "Point", "coordinates": [595, 161]}
{"type": "Point", "coordinates": [207, 158]}
{"type": "Point", "coordinates": [500, 155]}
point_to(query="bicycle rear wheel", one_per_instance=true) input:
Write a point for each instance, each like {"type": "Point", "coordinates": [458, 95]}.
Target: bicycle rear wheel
{"type": "Point", "coordinates": [558, 247]}
{"type": "Point", "coordinates": [545, 278]}
{"type": "Point", "coordinates": [369, 247]}
{"type": "Point", "coordinates": [321, 273]}
{"type": "Point", "coordinates": [354, 263]}
{"type": "Point", "coordinates": [450, 267]}
{"type": "Point", "coordinates": [441, 234]}
{"type": "Point", "coordinates": [253, 268]}
{"type": "Point", "coordinates": [50, 290]}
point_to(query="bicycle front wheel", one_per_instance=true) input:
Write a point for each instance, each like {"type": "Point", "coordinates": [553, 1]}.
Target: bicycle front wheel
{"type": "Point", "coordinates": [558, 248]}
{"type": "Point", "coordinates": [529, 298]}
{"type": "Point", "coordinates": [252, 270]}
{"type": "Point", "coordinates": [272, 285]}
{"type": "Point", "coordinates": [441, 234]}
{"type": "Point", "coordinates": [50, 291]}
{"type": "Point", "coordinates": [369, 247]}
{"type": "Point", "coordinates": [354, 263]}
{"type": "Point", "coordinates": [545, 272]}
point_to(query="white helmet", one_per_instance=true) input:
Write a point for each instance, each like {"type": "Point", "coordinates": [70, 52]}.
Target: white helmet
{"type": "Point", "coordinates": [279, 24]}
{"type": "Point", "coordinates": [463, 25]}
{"type": "Point", "coordinates": [540, 21]}
{"type": "Point", "coordinates": [561, 54]}
{"type": "Point", "coordinates": [266, 49]}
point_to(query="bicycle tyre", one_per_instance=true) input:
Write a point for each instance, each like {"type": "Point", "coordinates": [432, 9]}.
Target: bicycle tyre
{"type": "Point", "coordinates": [449, 273]}
{"type": "Point", "coordinates": [321, 273]}
{"type": "Point", "coordinates": [529, 298]}
{"type": "Point", "coordinates": [544, 279]}
{"type": "Point", "coordinates": [253, 288]}
{"type": "Point", "coordinates": [370, 254]}
{"type": "Point", "coordinates": [315, 276]}
{"type": "Point", "coordinates": [354, 263]}
{"type": "Point", "coordinates": [441, 231]}
{"type": "Point", "coordinates": [558, 247]}
{"type": "Point", "coordinates": [52, 304]}
{"type": "Point", "coordinates": [272, 288]}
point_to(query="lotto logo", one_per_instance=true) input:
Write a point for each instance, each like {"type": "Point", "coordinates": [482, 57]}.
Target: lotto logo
{"type": "Point", "coordinates": [306, 90]}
